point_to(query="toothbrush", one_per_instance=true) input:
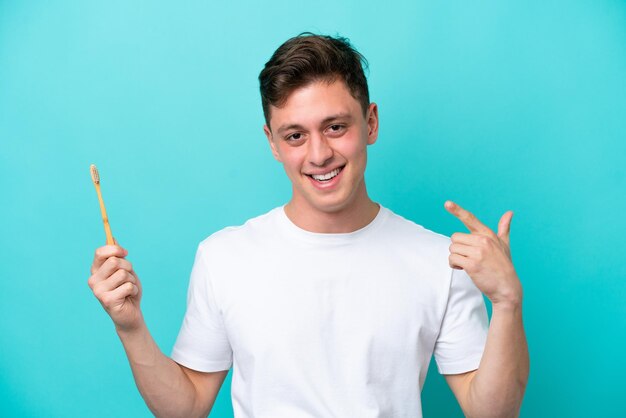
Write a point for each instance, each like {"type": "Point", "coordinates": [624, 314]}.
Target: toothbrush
{"type": "Point", "coordinates": [95, 177]}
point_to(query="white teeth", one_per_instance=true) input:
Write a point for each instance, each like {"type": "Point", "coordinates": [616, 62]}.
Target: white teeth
{"type": "Point", "coordinates": [327, 176]}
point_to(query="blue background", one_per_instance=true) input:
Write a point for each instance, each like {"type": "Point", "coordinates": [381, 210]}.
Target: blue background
{"type": "Point", "coordinates": [497, 105]}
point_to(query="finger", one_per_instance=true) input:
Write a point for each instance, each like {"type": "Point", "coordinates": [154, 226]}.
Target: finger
{"type": "Point", "coordinates": [469, 220]}
{"type": "Point", "coordinates": [468, 239]}
{"type": "Point", "coordinates": [114, 281]}
{"type": "Point", "coordinates": [104, 252]}
{"type": "Point", "coordinates": [116, 296]}
{"type": "Point", "coordinates": [110, 266]}
{"type": "Point", "coordinates": [458, 262]}
{"type": "Point", "coordinates": [117, 244]}
{"type": "Point", "coordinates": [464, 250]}
{"type": "Point", "coordinates": [504, 226]}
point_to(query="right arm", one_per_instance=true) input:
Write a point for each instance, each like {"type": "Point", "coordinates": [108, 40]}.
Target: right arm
{"type": "Point", "coordinates": [169, 389]}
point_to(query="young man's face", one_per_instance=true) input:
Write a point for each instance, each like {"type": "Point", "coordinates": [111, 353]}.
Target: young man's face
{"type": "Point", "coordinates": [320, 135]}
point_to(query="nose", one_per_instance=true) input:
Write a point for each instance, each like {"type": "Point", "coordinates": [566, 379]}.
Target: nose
{"type": "Point", "coordinates": [319, 152]}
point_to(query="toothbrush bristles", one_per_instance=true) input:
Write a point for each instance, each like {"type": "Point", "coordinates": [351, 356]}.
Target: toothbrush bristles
{"type": "Point", "coordinates": [94, 174]}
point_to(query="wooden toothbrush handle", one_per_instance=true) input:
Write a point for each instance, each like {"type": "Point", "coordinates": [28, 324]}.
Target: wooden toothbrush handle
{"type": "Point", "coordinates": [105, 218]}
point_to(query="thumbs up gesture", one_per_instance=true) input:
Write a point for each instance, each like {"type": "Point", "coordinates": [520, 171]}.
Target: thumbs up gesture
{"type": "Point", "coordinates": [485, 256]}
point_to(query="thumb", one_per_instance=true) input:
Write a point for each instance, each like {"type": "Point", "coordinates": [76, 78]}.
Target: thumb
{"type": "Point", "coordinates": [504, 226]}
{"type": "Point", "coordinates": [116, 243]}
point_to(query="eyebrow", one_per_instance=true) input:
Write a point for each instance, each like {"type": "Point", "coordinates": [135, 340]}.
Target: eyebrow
{"type": "Point", "coordinates": [326, 120]}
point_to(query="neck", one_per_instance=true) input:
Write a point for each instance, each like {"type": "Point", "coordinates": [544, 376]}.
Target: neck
{"type": "Point", "coordinates": [350, 218]}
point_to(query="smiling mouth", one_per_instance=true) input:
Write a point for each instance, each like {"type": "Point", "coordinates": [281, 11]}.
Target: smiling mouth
{"type": "Point", "coordinates": [327, 176]}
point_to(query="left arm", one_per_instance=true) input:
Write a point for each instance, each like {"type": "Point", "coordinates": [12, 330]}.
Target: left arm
{"type": "Point", "coordinates": [497, 387]}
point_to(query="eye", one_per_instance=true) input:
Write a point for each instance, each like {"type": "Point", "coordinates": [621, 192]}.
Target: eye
{"type": "Point", "coordinates": [336, 128]}
{"type": "Point", "coordinates": [294, 137]}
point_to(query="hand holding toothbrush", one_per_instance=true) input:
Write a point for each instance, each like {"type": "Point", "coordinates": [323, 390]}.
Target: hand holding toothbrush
{"type": "Point", "coordinates": [113, 281]}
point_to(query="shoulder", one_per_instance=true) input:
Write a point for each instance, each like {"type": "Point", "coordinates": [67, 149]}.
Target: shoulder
{"type": "Point", "coordinates": [420, 251]}
{"type": "Point", "coordinates": [238, 237]}
{"type": "Point", "coordinates": [407, 232]}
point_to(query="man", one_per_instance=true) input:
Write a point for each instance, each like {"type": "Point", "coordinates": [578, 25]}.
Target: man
{"type": "Point", "coordinates": [331, 305]}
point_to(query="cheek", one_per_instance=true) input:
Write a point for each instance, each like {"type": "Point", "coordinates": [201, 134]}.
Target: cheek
{"type": "Point", "coordinates": [352, 148]}
{"type": "Point", "coordinates": [292, 159]}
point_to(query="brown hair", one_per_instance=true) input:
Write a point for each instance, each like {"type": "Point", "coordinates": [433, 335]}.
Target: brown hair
{"type": "Point", "coordinates": [307, 58]}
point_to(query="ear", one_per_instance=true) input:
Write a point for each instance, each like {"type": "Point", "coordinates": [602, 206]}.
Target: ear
{"type": "Point", "coordinates": [268, 134]}
{"type": "Point", "coordinates": [372, 123]}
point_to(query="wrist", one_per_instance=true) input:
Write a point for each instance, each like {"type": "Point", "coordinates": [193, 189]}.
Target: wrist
{"type": "Point", "coordinates": [509, 296]}
{"type": "Point", "coordinates": [139, 345]}
{"type": "Point", "coordinates": [129, 330]}
{"type": "Point", "coordinates": [507, 304]}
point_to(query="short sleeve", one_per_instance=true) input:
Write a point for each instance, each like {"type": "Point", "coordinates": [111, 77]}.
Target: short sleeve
{"type": "Point", "coordinates": [461, 341]}
{"type": "Point", "coordinates": [202, 343]}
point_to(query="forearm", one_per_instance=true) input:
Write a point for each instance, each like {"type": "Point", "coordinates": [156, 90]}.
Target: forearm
{"type": "Point", "coordinates": [164, 386]}
{"type": "Point", "coordinates": [498, 386]}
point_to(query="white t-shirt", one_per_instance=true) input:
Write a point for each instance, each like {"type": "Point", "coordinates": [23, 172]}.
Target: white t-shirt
{"type": "Point", "coordinates": [329, 325]}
